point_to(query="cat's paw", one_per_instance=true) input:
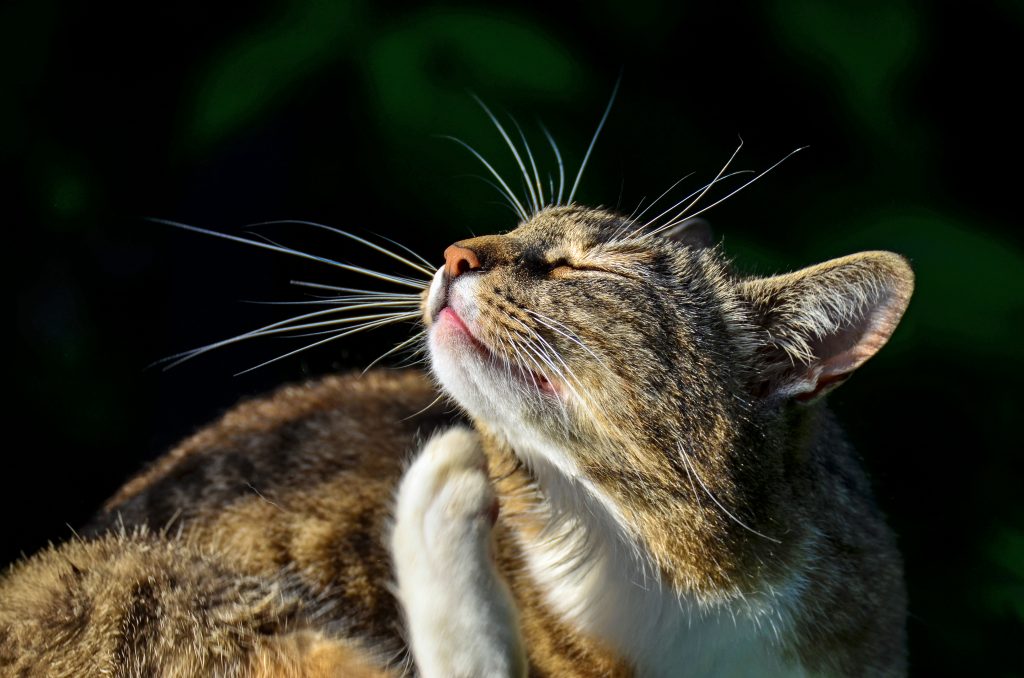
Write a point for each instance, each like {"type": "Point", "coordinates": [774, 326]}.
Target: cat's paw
{"type": "Point", "coordinates": [460, 617]}
{"type": "Point", "coordinates": [445, 501]}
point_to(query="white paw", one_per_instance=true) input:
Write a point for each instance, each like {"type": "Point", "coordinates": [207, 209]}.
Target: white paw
{"type": "Point", "coordinates": [461, 619]}
{"type": "Point", "coordinates": [445, 502]}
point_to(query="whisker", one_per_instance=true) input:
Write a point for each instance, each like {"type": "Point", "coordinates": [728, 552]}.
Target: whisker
{"type": "Point", "coordinates": [361, 328]}
{"type": "Point", "coordinates": [546, 352]}
{"type": "Point", "coordinates": [529, 154]}
{"type": "Point", "coordinates": [334, 288]}
{"type": "Point", "coordinates": [658, 199]}
{"type": "Point", "coordinates": [690, 468]}
{"type": "Point", "coordinates": [432, 403]}
{"type": "Point", "coordinates": [561, 165]}
{"type": "Point", "coordinates": [335, 301]}
{"type": "Point", "coordinates": [676, 219]}
{"type": "Point", "coordinates": [363, 241]}
{"type": "Point", "coordinates": [426, 263]}
{"type": "Point", "coordinates": [346, 321]}
{"type": "Point", "coordinates": [398, 347]}
{"type": "Point", "coordinates": [279, 327]}
{"type": "Point", "coordinates": [593, 140]}
{"type": "Point", "coordinates": [568, 334]}
{"type": "Point", "coordinates": [408, 282]}
{"type": "Point", "coordinates": [639, 232]}
{"type": "Point", "coordinates": [520, 210]}
{"type": "Point", "coordinates": [535, 354]}
{"type": "Point", "coordinates": [515, 152]}
{"type": "Point", "coordinates": [706, 188]}
{"type": "Point", "coordinates": [507, 202]}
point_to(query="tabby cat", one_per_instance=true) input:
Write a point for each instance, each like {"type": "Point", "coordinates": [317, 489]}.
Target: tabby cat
{"type": "Point", "coordinates": [642, 478]}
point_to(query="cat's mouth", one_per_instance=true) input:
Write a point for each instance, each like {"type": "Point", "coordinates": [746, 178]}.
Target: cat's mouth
{"type": "Point", "coordinates": [448, 320]}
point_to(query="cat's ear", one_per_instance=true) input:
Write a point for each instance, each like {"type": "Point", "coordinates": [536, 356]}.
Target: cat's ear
{"type": "Point", "coordinates": [695, 233]}
{"type": "Point", "coordinates": [823, 322]}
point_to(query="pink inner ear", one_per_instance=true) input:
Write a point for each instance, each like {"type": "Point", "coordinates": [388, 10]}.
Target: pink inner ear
{"type": "Point", "coordinates": [840, 353]}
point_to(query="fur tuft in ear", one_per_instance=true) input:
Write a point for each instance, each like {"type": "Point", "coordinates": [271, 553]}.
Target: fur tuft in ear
{"type": "Point", "coordinates": [825, 321]}
{"type": "Point", "coordinates": [695, 233]}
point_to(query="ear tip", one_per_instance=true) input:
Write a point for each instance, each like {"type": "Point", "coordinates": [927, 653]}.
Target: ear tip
{"type": "Point", "coordinates": [899, 270]}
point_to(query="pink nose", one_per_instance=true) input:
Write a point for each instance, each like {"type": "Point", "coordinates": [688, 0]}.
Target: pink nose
{"type": "Point", "coordinates": [458, 260]}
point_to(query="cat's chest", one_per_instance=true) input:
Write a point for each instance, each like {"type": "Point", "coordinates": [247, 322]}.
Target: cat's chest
{"type": "Point", "coordinates": [608, 595]}
{"type": "Point", "coordinates": [591, 577]}
{"type": "Point", "coordinates": [662, 633]}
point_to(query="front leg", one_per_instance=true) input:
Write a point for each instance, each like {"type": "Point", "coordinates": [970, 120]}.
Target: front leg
{"type": "Point", "coordinates": [460, 616]}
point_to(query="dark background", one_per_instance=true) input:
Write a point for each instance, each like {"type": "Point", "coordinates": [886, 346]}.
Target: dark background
{"type": "Point", "coordinates": [329, 111]}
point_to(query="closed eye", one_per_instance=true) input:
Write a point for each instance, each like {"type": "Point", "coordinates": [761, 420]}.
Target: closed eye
{"type": "Point", "coordinates": [563, 267]}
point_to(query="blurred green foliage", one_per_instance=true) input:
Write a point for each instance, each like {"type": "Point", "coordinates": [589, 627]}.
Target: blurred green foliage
{"type": "Point", "coordinates": [332, 111]}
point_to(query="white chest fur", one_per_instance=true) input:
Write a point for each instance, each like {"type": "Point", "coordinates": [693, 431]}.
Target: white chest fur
{"type": "Point", "coordinates": [593, 576]}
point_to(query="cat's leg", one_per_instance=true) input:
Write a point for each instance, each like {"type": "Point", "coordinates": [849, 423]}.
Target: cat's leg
{"type": "Point", "coordinates": [460, 617]}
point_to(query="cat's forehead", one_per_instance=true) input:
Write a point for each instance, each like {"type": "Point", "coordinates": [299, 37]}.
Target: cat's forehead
{"type": "Point", "coordinates": [580, 226]}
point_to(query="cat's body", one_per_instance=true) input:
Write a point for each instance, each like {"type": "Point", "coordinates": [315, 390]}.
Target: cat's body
{"type": "Point", "coordinates": [667, 506]}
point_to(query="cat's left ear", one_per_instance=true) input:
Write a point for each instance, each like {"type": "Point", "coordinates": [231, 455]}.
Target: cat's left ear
{"type": "Point", "coordinates": [823, 322]}
{"type": "Point", "coordinates": [695, 233]}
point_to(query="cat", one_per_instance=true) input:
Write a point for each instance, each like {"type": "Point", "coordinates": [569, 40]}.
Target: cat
{"type": "Point", "coordinates": [642, 478]}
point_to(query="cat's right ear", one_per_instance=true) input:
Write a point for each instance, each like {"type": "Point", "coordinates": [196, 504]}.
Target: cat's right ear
{"type": "Point", "coordinates": [694, 233]}
{"type": "Point", "coordinates": [823, 322]}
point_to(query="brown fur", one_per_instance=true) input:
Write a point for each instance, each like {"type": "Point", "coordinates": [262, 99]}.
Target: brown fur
{"type": "Point", "coordinates": [685, 367]}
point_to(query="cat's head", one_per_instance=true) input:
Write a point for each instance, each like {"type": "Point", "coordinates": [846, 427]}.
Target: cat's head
{"type": "Point", "coordinates": [619, 349]}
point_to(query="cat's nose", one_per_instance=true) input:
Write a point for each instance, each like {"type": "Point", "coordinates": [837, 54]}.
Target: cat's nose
{"type": "Point", "coordinates": [458, 260]}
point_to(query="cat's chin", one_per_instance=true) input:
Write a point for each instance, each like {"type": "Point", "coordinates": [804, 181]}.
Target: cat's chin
{"type": "Point", "coordinates": [480, 380]}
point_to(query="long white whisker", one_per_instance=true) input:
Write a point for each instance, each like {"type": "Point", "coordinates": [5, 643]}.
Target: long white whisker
{"type": "Point", "coordinates": [520, 363]}
{"type": "Point", "coordinates": [680, 216]}
{"type": "Point", "coordinates": [529, 154]}
{"type": "Point", "coordinates": [425, 262]}
{"type": "Point", "coordinates": [280, 323]}
{"type": "Point", "coordinates": [333, 325]}
{"type": "Point", "coordinates": [418, 413]}
{"type": "Point", "coordinates": [398, 347]}
{"type": "Point", "coordinates": [519, 160]}
{"type": "Point", "coordinates": [568, 334]}
{"type": "Point", "coordinates": [276, 328]}
{"type": "Point", "coordinates": [429, 272]}
{"type": "Point", "coordinates": [507, 201]}
{"type": "Point", "coordinates": [535, 355]}
{"type": "Point", "coordinates": [706, 188]}
{"type": "Point", "coordinates": [520, 210]}
{"type": "Point", "coordinates": [593, 140]}
{"type": "Point", "coordinates": [658, 199]}
{"type": "Point", "coordinates": [361, 328]}
{"type": "Point", "coordinates": [561, 165]}
{"type": "Point", "coordinates": [337, 301]}
{"type": "Point", "coordinates": [690, 468]}
{"type": "Point", "coordinates": [355, 290]}
{"type": "Point", "coordinates": [640, 232]}
{"type": "Point", "coordinates": [408, 282]}
{"type": "Point", "coordinates": [548, 354]}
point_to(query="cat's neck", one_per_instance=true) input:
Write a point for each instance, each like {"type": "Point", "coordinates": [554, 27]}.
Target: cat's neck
{"type": "Point", "coordinates": [581, 551]}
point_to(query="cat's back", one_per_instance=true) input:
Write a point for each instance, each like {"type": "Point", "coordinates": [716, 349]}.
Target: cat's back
{"type": "Point", "coordinates": [286, 445]}
{"type": "Point", "coordinates": [301, 480]}
{"type": "Point", "coordinates": [255, 547]}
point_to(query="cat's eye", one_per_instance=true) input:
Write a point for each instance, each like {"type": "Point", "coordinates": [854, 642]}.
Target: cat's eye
{"type": "Point", "coordinates": [563, 267]}
{"type": "Point", "coordinates": [560, 267]}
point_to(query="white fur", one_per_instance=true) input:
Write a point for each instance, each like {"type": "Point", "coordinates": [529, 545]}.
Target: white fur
{"type": "Point", "coordinates": [460, 617]}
